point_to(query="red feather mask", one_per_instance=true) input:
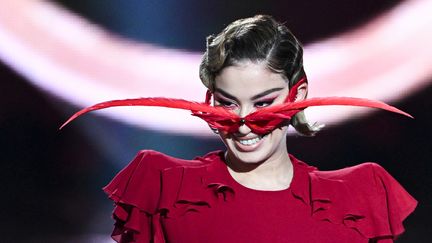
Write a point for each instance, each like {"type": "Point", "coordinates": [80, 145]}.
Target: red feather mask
{"type": "Point", "coordinates": [261, 121]}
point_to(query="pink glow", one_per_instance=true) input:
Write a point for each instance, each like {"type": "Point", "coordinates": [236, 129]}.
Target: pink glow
{"type": "Point", "coordinates": [386, 59]}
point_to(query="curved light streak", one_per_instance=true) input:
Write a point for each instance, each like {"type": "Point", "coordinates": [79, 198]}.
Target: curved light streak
{"type": "Point", "coordinates": [69, 57]}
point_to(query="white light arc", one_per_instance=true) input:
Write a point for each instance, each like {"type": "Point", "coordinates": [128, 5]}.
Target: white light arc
{"type": "Point", "coordinates": [66, 55]}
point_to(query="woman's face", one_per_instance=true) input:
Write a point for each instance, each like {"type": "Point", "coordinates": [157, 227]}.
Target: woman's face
{"type": "Point", "coordinates": [244, 88]}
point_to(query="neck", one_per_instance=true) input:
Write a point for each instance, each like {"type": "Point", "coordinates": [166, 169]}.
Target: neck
{"type": "Point", "coordinates": [275, 173]}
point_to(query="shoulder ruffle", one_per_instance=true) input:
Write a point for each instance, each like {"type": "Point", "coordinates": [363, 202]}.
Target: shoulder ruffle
{"type": "Point", "coordinates": [135, 191]}
{"type": "Point", "coordinates": [155, 185]}
{"type": "Point", "coordinates": [363, 197]}
{"type": "Point", "coordinates": [193, 188]}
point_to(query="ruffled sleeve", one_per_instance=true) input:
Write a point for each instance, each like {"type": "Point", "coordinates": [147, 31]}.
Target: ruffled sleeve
{"type": "Point", "coordinates": [363, 197]}
{"type": "Point", "coordinates": [155, 186]}
{"type": "Point", "coordinates": [135, 191]}
{"type": "Point", "coordinates": [399, 203]}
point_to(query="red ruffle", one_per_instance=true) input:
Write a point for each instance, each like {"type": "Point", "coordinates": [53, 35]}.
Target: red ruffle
{"type": "Point", "coordinates": [155, 185]}
{"type": "Point", "coordinates": [135, 191]}
{"type": "Point", "coordinates": [191, 189]}
{"type": "Point", "coordinates": [363, 197]}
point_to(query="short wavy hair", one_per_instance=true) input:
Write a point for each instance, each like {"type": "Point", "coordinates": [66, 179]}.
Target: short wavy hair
{"type": "Point", "coordinates": [259, 38]}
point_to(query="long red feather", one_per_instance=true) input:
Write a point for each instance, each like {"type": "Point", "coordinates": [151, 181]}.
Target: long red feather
{"type": "Point", "coordinates": [156, 101]}
{"type": "Point", "coordinates": [345, 101]}
{"type": "Point", "coordinates": [210, 113]}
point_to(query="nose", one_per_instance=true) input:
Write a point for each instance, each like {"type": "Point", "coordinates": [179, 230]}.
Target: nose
{"type": "Point", "coordinates": [244, 129]}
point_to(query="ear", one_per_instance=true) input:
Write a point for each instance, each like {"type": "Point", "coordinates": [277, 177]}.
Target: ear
{"type": "Point", "coordinates": [302, 91]}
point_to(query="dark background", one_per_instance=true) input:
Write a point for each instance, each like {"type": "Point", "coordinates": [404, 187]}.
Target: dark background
{"type": "Point", "coordinates": [51, 181]}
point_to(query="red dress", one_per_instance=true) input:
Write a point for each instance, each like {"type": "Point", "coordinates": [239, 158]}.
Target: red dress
{"type": "Point", "coordinates": [164, 199]}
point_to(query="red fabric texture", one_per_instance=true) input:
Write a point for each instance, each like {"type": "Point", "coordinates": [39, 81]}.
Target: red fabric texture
{"type": "Point", "coordinates": [159, 198]}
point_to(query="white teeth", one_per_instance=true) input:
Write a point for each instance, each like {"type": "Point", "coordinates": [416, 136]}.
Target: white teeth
{"type": "Point", "coordinates": [250, 141]}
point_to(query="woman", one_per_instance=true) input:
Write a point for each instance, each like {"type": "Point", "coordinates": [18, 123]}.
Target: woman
{"type": "Point", "coordinates": [254, 191]}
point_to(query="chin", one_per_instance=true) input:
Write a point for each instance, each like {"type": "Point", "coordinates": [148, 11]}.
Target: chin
{"type": "Point", "coordinates": [250, 157]}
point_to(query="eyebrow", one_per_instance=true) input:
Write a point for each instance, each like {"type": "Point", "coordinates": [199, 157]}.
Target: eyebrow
{"type": "Point", "coordinates": [255, 97]}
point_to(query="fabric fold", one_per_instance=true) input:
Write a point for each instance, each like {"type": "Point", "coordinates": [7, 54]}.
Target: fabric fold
{"type": "Point", "coordinates": [135, 193]}
{"type": "Point", "coordinates": [192, 188]}
{"type": "Point", "coordinates": [365, 198]}
{"type": "Point", "coordinates": [155, 186]}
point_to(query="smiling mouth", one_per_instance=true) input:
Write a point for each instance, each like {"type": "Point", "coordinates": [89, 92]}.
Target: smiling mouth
{"type": "Point", "coordinates": [250, 141]}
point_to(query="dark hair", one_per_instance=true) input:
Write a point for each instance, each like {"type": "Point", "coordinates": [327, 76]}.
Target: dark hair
{"type": "Point", "coordinates": [259, 38]}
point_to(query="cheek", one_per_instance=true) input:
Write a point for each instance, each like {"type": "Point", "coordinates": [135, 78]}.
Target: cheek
{"type": "Point", "coordinates": [224, 136]}
{"type": "Point", "coordinates": [279, 134]}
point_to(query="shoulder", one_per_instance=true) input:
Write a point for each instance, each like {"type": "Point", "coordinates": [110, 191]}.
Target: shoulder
{"type": "Point", "coordinates": [151, 184]}
{"type": "Point", "coordinates": [364, 197]}
{"type": "Point", "coordinates": [367, 178]}
{"type": "Point", "coordinates": [140, 182]}
{"type": "Point", "coordinates": [151, 159]}
{"type": "Point", "coordinates": [362, 174]}
{"type": "Point", "coordinates": [143, 173]}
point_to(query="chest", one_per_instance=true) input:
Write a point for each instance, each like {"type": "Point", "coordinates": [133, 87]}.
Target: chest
{"type": "Point", "coordinates": [255, 217]}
